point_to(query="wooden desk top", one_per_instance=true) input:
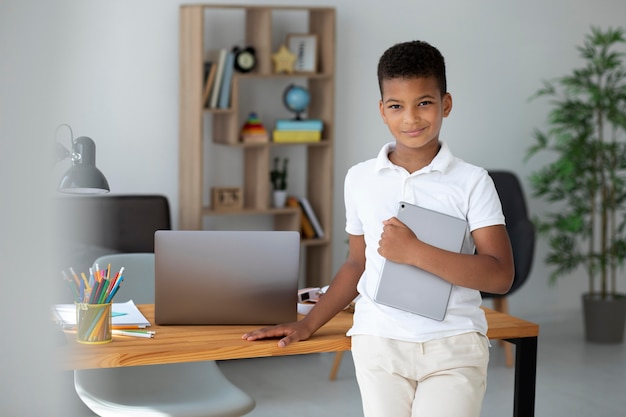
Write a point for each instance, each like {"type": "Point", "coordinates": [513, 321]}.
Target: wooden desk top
{"type": "Point", "coordinates": [173, 344]}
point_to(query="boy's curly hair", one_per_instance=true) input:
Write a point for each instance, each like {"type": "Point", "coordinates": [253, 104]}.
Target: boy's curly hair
{"type": "Point", "coordinates": [411, 60]}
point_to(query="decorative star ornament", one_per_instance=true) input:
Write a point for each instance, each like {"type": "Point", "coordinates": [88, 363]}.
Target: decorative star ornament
{"type": "Point", "coordinates": [284, 60]}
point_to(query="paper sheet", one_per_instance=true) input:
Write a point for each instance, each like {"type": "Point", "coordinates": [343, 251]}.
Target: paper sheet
{"type": "Point", "coordinates": [123, 314]}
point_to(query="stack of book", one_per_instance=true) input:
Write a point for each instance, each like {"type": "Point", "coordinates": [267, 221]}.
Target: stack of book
{"type": "Point", "coordinates": [293, 131]}
{"type": "Point", "coordinates": [218, 76]}
{"type": "Point", "coordinates": [310, 225]}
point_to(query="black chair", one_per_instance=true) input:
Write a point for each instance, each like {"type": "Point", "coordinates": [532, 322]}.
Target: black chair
{"type": "Point", "coordinates": [521, 232]}
{"type": "Point", "coordinates": [92, 226]}
{"type": "Point", "coordinates": [125, 223]}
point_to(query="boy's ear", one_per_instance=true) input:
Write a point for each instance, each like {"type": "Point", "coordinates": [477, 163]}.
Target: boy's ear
{"type": "Point", "coordinates": [381, 108]}
{"type": "Point", "coordinates": [447, 104]}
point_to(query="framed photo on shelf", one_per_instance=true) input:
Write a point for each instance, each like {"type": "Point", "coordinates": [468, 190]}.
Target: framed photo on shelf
{"type": "Point", "coordinates": [304, 47]}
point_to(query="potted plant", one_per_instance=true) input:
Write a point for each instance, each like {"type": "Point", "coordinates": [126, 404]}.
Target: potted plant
{"type": "Point", "coordinates": [586, 139]}
{"type": "Point", "coordinates": [278, 178]}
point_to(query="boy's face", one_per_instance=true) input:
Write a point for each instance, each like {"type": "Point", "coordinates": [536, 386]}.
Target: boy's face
{"type": "Point", "coordinates": [413, 110]}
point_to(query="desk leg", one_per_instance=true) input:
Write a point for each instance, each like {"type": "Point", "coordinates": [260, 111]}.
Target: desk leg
{"type": "Point", "coordinates": [336, 363]}
{"type": "Point", "coordinates": [525, 376]}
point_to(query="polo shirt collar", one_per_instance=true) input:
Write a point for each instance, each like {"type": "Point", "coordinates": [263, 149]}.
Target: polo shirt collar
{"type": "Point", "coordinates": [440, 162]}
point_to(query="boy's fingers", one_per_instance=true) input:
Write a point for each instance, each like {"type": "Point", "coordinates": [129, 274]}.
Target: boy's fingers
{"type": "Point", "coordinates": [269, 332]}
{"type": "Point", "coordinates": [284, 341]}
{"type": "Point", "coordinates": [263, 333]}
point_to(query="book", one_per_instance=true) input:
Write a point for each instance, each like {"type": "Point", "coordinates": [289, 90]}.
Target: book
{"type": "Point", "coordinates": [215, 92]}
{"type": "Point", "coordinates": [210, 70]}
{"type": "Point", "coordinates": [308, 124]}
{"type": "Point", "coordinates": [123, 315]}
{"type": "Point", "coordinates": [296, 136]}
{"type": "Point", "coordinates": [207, 69]}
{"type": "Point", "coordinates": [308, 210]}
{"type": "Point", "coordinates": [227, 80]}
{"type": "Point", "coordinates": [306, 228]}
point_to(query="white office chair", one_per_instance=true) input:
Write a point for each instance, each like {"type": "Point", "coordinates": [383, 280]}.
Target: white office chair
{"type": "Point", "coordinates": [197, 389]}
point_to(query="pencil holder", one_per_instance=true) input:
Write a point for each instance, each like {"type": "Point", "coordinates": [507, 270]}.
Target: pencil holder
{"type": "Point", "coordinates": [93, 323]}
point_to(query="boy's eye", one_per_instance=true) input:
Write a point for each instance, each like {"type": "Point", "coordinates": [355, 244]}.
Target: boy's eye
{"type": "Point", "coordinates": [394, 106]}
{"type": "Point", "coordinates": [425, 103]}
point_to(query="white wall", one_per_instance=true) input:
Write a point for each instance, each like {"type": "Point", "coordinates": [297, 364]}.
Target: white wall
{"type": "Point", "coordinates": [27, 278]}
{"type": "Point", "coordinates": [112, 73]}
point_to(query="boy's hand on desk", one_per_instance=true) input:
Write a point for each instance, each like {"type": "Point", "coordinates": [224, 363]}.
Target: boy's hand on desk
{"type": "Point", "coordinates": [397, 241]}
{"type": "Point", "coordinates": [290, 332]}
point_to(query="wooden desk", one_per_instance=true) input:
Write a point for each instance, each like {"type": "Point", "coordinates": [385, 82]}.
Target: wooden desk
{"type": "Point", "coordinates": [174, 344]}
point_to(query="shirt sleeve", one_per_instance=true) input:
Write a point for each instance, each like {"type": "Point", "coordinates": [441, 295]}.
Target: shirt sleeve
{"type": "Point", "coordinates": [353, 223]}
{"type": "Point", "coordinates": [485, 208]}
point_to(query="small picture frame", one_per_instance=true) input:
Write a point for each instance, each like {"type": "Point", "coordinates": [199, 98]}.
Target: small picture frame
{"type": "Point", "coordinates": [304, 47]}
{"type": "Point", "coordinates": [227, 198]}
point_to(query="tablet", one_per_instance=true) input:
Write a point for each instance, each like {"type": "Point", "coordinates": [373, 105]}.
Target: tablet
{"type": "Point", "coordinates": [412, 289]}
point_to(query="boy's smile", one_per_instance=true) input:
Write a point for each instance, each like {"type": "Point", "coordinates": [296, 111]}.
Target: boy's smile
{"type": "Point", "coordinates": [413, 110]}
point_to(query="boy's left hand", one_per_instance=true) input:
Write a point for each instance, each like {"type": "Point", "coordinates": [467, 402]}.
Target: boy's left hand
{"type": "Point", "coordinates": [288, 333]}
{"type": "Point", "coordinates": [397, 242]}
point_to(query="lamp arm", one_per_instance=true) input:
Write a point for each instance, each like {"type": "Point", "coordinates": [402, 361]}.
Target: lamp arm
{"type": "Point", "coordinates": [62, 152]}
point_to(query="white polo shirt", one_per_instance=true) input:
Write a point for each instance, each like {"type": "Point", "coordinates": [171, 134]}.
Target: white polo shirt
{"type": "Point", "coordinates": [449, 185]}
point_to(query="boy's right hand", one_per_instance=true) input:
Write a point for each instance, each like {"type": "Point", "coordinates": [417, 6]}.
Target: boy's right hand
{"type": "Point", "coordinates": [397, 242]}
{"type": "Point", "coordinates": [289, 333]}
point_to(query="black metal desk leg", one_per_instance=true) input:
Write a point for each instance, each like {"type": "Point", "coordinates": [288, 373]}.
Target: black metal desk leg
{"type": "Point", "coordinates": [525, 376]}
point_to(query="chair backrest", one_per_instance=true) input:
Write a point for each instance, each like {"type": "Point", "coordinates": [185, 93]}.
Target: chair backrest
{"type": "Point", "coordinates": [93, 226]}
{"type": "Point", "coordinates": [520, 228]}
{"type": "Point", "coordinates": [138, 283]}
{"type": "Point", "coordinates": [124, 223]}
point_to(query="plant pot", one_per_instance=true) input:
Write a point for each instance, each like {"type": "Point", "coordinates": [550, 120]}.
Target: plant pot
{"type": "Point", "coordinates": [605, 318]}
{"type": "Point", "coordinates": [279, 198]}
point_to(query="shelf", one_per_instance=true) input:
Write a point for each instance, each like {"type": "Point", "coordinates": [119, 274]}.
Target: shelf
{"type": "Point", "coordinates": [207, 211]}
{"type": "Point", "coordinates": [205, 28]}
{"type": "Point", "coordinates": [313, 76]}
{"type": "Point", "coordinates": [322, 143]}
{"type": "Point", "coordinates": [314, 242]}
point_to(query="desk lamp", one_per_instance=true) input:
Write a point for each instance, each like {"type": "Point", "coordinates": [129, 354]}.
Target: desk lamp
{"type": "Point", "coordinates": [83, 177]}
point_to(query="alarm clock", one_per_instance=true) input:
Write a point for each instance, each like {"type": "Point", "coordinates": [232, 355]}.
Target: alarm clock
{"type": "Point", "coordinates": [245, 59]}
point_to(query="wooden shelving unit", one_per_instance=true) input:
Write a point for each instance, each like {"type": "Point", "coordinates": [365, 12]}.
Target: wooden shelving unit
{"type": "Point", "coordinates": [262, 30]}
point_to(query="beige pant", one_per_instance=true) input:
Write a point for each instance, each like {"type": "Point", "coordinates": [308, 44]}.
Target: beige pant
{"type": "Point", "coordinates": [439, 378]}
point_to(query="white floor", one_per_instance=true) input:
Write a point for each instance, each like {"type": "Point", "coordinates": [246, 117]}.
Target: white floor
{"type": "Point", "coordinates": [574, 378]}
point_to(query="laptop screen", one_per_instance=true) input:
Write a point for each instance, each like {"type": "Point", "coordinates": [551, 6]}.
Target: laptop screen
{"type": "Point", "coordinates": [226, 277]}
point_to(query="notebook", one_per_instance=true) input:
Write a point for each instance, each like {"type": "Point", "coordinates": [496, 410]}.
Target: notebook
{"type": "Point", "coordinates": [410, 288]}
{"type": "Point", "coordinates": [226, 277]}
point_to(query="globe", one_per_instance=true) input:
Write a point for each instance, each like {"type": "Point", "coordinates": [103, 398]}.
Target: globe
{"type": "Point", "coordinates": [296, 99]}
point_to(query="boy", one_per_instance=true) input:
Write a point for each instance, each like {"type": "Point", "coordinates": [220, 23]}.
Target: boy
{"type": "Point", "coordinates": [406, 364]}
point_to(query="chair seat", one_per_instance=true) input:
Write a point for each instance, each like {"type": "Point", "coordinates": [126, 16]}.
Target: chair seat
{"type": "Point", "coordinates": [197, 389]}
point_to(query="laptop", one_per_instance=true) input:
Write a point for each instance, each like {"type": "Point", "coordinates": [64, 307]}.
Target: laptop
{"type": "Point", "coordinates": [226, 277]}
{"type": "Point", "coordinates": [410, 288]}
